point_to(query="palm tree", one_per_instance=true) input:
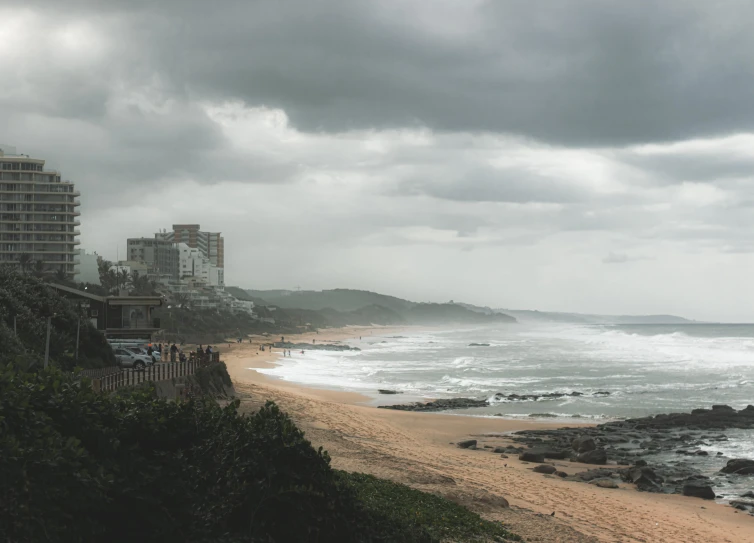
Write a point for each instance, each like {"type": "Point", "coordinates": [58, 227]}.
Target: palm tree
{"type": "Point", "coordinates": [25, 261]}
{"type": "Point", "coordinates": [61, 275]}
{"type": "Point", "coordinates": [123, 279]}
{"type": "Point", "coordinates": [140, 284]}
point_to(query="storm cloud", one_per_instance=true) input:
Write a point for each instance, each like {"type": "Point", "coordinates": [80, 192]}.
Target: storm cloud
{"type": "Point", "coordinates": [489, 151]}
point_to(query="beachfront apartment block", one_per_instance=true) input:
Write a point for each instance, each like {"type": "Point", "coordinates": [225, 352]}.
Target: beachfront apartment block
{"type": "Point", "coordinates": [160, 256]}
{"type": "Point", "coordinates": [195, 264]}
{"type": "Point", "coordinates": [38, 216]}
{"type": "Point", "coordinates": [211, 244]}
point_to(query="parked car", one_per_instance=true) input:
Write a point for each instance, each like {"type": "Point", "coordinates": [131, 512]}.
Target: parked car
{"type": "Point", "coordinates": [128, 359]}
{"type": "Point", "coordinates": [143, 351]}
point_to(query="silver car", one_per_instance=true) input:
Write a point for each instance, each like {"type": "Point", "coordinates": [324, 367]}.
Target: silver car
{"type": "Point", "coordinates": [128, 359]}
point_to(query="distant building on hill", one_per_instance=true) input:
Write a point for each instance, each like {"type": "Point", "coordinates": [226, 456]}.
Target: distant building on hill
{"type": "Point", "coordinates": [211, 244]}
{"type": "Point", "coordinates": [160, 256]}
{"type": "Point", "coordinates": [38, 216]}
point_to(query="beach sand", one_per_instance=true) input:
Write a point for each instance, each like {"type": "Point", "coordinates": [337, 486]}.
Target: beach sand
{"type": "Point", "coordinates": [416, 449]}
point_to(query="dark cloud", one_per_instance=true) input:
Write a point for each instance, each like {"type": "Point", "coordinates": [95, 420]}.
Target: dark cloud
{"type": "Point", "coordinates": [599, 73]}
{"type": "Point", "coordinates": [376, 141]}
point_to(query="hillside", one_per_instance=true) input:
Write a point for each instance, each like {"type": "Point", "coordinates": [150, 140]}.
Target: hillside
{"type": "Point", "coordinates": [451, 314]}
{"type": "Point", "coordinates": [343, 300]}
{"type": "Point", "coordinates": [341, 307]}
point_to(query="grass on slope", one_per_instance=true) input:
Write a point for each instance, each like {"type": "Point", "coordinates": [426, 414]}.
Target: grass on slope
{"type": "Point", "coordinates": [428, 517]}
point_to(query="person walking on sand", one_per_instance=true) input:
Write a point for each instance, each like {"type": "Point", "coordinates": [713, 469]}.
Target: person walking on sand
{"type": "Point", "coordinates": [173, 351]}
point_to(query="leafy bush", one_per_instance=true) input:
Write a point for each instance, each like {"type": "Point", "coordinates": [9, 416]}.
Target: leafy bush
{"type": "Point", "coordinates": [425, 516]}
{"type": "Point", "coordinates": [30, 300]}
{"type": "Point", "coordinates": [79, 466]}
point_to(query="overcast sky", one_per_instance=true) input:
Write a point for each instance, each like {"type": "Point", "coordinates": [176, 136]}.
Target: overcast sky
{"type": "Point", "coordinates": [592, 156]}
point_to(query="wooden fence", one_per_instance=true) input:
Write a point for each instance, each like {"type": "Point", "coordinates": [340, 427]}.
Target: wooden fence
{"type": "Point", "coordinates": [115, 377]}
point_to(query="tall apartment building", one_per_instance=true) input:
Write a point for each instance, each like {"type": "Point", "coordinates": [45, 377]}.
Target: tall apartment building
{"type": "Point", "coordinates": [38, 217]}
{"type": "Point", "coordinates": [196, 265]}
{"type": "Point", "coordinates": [160, 256]}
{"type": "Point", "coordinates": [211, 244]}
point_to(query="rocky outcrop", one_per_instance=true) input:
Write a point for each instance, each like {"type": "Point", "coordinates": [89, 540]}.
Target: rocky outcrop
{"type": "Point", "coordinates": [630, 442]}
{"type": "Point", "coordinates": [604, 483]}
{"type": "Point", "coordinates": [532, 456]}
{"type": "Point", "coordinates": [468, 444]}
{"type": "Point", "coordinates": [545, 468]}
{"type": "Point", "coordinates": [439, 405]}
{"type": "Point", "coordinates": [583, 444]}
{"type": "Point", "coordinates": [597, 456]}
{"type": "Point", "coordinates": [644, 478]}
{"type": "Point", "coordinates": [499, 397]}
{"type": "Point", "coordinates": [739, 466]}
{"type": "Point", "coordinates": [699, 489]}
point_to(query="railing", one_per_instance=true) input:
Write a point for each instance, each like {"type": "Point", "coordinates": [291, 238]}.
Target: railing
{"type": "Point", "coordinates": [157, 372]}
{"type": "Point", "coordinates": [114, 377]}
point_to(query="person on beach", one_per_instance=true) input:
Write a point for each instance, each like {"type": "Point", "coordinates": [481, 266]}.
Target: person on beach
{"type": "Point", "coordinates": [182, 357]}
{"type": "Point", "coordinates": [199, 349]}
{"type": "Point", "coordinates": [173, 352]}
{"type": "Point", "coordinates": [209, 350]}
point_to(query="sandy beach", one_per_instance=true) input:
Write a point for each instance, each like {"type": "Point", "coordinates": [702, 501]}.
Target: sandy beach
{"type": "Point", "coordinates": [417, 449]}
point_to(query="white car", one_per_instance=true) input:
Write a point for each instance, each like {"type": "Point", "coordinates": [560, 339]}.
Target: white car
{"type": "Point", "coordinates": [143, 351]}
{"type": "Point", "coordinates": [128, 359]}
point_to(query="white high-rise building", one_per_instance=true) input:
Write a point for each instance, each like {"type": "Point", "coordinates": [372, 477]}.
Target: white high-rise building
{"type": "Point", "coordinates": [38, 216]}
{"type": "Point", "coordinates": [193, 263]}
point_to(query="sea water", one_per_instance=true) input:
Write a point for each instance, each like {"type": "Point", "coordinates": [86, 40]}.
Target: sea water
{"type": "Point", "coordinates": [646, 369]}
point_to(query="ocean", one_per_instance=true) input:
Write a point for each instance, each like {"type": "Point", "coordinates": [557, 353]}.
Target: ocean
{"type": "Point", "coordinates": [646, 369]}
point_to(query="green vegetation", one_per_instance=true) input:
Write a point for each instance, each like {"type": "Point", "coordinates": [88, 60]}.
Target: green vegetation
{"type": "Point", "coordinates": [341, 307]}
{"type": "Point", "coordinates": [77, 466]}
{"type": "Point", "coordinates": [30, 301]}
{"type": "Point", "coordinates": [427, 517]}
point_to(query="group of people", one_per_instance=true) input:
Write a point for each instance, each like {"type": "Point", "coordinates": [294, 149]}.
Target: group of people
{"type": "Point", "coordinates": [176, 354]}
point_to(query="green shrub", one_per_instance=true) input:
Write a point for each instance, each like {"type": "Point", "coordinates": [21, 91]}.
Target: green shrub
{"type": "Point", "coordinates": [30, 300]}
{"type": "Point", "coordinates": [78, 466]}
{"type": "Point", "coordinates": [425, 516]}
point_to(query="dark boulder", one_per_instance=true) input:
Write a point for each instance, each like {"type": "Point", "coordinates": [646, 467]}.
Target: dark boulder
{"type": "Point", "coordinates": [644, 478]}
{"type": "Point", "coordinates": [556, 455]}
{"type": "Point", "coordinates": [592, 474]}
{"type": "Point", "coordinates": [604, 483]}
{"type": "Point", "coordinates": [561, 474]}
{"type": "Point", "coordinates": [743, 505]}
{"type": "Point", "coordinates": [468, 444]}
{"type": "Point", "coordinates": [498, 450]}
{"type": "Point", "coordinates": [598, 456]}
{"type": "Point", "coordinates": [699, 489]}
{"type": "Point", "coordinates": [545, 468]}
{"type": "Point", "coordinates": [583, 444]}
{"type": "Point", "coordinates": [739, 466]}
{"type": "Point", "coordinates": [748, 494]}
{"type": "Point", "coordinates": [532, 456]}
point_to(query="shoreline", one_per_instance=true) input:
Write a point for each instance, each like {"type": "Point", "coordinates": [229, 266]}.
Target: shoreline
{"type": "Point", "coordinates": [415, 448]}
